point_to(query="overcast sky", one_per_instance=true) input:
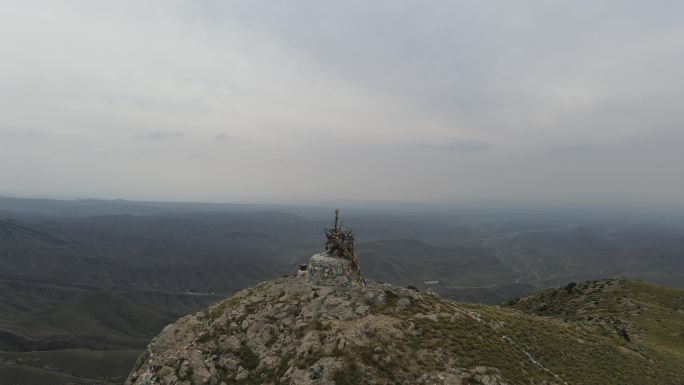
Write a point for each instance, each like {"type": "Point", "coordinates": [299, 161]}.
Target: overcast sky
{"type": "Point", "coordinates": [421, 101]}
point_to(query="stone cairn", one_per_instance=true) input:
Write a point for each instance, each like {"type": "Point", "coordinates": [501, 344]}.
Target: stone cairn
{"type": "Point", "coordinates": [338, 265]}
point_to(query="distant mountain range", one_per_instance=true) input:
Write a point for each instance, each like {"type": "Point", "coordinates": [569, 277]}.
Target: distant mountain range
{"type": "Point", "coordinates": [60, 260]}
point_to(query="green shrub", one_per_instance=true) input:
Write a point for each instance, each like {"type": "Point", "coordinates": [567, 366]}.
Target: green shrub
{"type": "Point", "coordinates": [350, 374]}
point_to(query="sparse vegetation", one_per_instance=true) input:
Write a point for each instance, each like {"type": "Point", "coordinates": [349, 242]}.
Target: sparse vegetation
{"type": "Point", "coordinates": [248, 359]}
{"type": "Point", "coordinates": [350, 374]}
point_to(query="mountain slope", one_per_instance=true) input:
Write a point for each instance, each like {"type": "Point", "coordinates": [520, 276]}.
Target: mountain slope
{"type": "Point", "coordinates": [99, 314]}
{"type": "Point", "coordinates": [48, 317]}
{"type": "Point", "coordinates": [51, 334]}
{"type": "Point", "coordinates": [647, 319]}
{"type": "Point", "coordinates": [411, 261]}
{"type": "Point", "coordinates": [289, 331]}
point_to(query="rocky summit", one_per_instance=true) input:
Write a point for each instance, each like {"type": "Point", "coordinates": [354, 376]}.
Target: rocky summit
{"type": "Point", "coordinates": [294, 331]}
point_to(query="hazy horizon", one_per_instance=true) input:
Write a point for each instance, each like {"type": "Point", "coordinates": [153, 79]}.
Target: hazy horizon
{"type": "Point", "coordinates": [422, 102]}
{"type": "Point", "coordinates": [360, 207]}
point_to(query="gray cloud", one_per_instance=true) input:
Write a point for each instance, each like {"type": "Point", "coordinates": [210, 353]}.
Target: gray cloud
{"type": "Point", "coordinates": [460, 146]}
{"type": "Point", "coordinates": [573, 149]}
{"type": "Point", "coordinates": [223, 137]}
{"type": "Point", "coordinates": [160, 135]}
{"type": "Point", "coordinates": [198, 155]}
{"type": "Point", "coordinates": [529, 84]}
{"type": "Point", "coordinates": [21, 136]}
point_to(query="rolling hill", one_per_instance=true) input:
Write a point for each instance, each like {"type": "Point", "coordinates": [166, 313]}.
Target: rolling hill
{"type": "Point", "coordinates": [646, 319]}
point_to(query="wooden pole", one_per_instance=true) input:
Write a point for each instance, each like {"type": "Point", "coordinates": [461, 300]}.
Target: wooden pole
{"type": "Point", "coordinates": [337, 217]}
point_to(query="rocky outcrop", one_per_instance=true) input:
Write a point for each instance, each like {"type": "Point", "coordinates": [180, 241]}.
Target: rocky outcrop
{"type": "Point", "coordinates": [291, 331]}
{"type": "Point", "coordinates": [295, 331]}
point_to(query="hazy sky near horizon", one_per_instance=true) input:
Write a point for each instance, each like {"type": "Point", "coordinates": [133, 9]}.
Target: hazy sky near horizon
{"type": "Point", "coordinates": [425, 101]}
